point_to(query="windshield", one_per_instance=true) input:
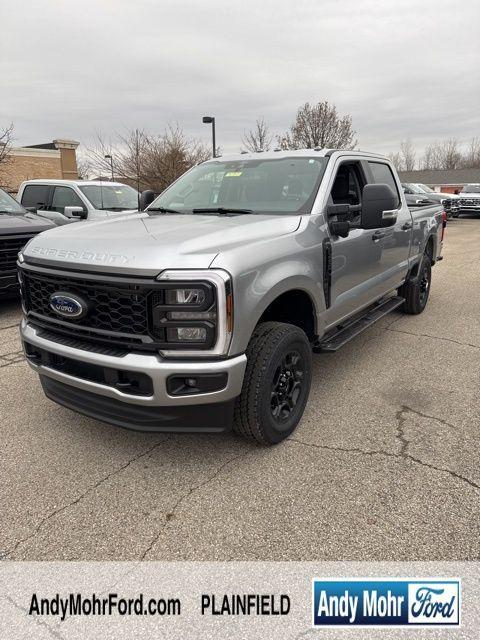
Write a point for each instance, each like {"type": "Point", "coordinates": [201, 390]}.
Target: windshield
{"type": "Point", "coordinates": [10, 205]}
{"type": "Point", "coordinates": [423, 187]}
{"type": "Point", "coordinates": [412, 188]}
{"type": "Point", "coordinates": [118, 197]}
{"type": "Point", "coordinates": [471, 188]}
{"type": "Point", "coordinates": [277, 186]}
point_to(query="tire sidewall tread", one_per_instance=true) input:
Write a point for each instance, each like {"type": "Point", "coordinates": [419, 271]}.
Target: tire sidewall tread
{"type": "Point", "coordinates": [250, 418]}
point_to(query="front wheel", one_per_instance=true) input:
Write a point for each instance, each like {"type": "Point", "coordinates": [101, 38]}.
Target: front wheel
{"type": "Point", "coordinates": [417, 290]}
{"type": "Point", "coordinates": [276, 383]}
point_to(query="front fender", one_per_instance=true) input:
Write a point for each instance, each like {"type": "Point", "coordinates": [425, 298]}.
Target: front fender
{"type": "Point", "coordinates": [256, 290]}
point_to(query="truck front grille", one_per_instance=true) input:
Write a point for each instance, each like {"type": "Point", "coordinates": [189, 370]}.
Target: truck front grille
{"type": "Point", "coordinates": [470, 202]}
{"type": "Point", "coordinates": [116, 312]}
{"type": "Point", "coordinates": [118, 308]}
{"type": "Point", "coordinates": [9, 247]}
{"type": "Point", "coordinates": [115, 308]}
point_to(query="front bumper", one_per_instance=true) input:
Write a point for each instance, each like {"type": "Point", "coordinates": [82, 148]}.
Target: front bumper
{"type": "Point", "coordinates": [158, 411]}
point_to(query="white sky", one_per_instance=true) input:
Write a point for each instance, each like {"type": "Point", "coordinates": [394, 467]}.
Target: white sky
{"type": "Point", "coordinates": [69, 68]}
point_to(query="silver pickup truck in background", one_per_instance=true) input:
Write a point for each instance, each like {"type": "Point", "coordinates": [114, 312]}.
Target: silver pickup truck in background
{"type": "Point", "coordinates": [202, 313]}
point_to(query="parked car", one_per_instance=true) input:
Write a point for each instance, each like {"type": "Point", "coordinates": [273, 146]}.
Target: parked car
{"type": "Point", "coordinates": [413, 191]}
{"type": "Point", "coordinates": [66, 201]}
{"type": "Point", "coordinates": [469, 198]}
{"type": "Point", "coordinates": [17, 227]}
{"type": "Point", "coordinates": [452, 197]}
{"type": "Point", "coordinates": [203, 311]}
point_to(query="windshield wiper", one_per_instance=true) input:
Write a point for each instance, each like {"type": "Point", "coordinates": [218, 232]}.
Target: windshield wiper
{"type": "Point", "coordinates": [117, 208]}
{"type": "Point", "coordinates": [162, 210]}
{"type": "Point", "coordinates": [221, 210]}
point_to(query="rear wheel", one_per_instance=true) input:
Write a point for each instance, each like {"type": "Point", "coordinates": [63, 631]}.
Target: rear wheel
{"type": "Point", "coordinates": [276, 383]}
{"type": "Point", "coordinates": [417, 290]}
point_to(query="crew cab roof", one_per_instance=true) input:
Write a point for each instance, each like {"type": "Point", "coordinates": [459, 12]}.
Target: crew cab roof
{"type": "Point", "coordinates": [305, 153]}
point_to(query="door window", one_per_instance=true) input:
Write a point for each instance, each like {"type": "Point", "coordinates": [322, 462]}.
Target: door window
{"type": "Point", "coordinates": [35, 195]}
{"type": "Point", "coordinates": [65, 197]}
{"type": "Point", "coordinates": [382, 174]}
{"type": "Point", "coordinates": [348, 184]}
{"type": "Point", "coordinates": [347, 189]}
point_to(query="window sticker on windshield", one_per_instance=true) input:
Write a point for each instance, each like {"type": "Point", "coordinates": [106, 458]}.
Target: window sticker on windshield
{"type": "Point", "coordinates": [233, 174]}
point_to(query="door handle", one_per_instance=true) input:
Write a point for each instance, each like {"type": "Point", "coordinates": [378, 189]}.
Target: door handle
{"type": "Point", "coordinates": [407, 226]}
{"type": "Point", "coordinates": [378, 235]}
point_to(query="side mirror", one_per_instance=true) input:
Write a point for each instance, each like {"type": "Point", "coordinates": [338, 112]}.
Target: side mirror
{"type": "Point", "coordinates": [146, 198]}
{"type": "Point", "coordinates": [337, 210]}
{"type": "Point", "coordinates": [379, 206]}
{"type": "Point", "coordinates": [75, 212]}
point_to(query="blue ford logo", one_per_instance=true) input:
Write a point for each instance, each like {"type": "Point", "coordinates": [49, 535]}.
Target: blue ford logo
{"type": "Point", "coordinates": [68, 305]}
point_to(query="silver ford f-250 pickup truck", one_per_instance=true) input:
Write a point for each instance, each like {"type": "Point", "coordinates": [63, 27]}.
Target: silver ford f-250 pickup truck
{"type": "Point", "coordinates": [202, 313]}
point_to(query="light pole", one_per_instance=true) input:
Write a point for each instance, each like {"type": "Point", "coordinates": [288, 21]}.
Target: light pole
{"type": "Point", "coordinates": [211, 120]}
{"type": "Point", "coordinates": [109, 157]}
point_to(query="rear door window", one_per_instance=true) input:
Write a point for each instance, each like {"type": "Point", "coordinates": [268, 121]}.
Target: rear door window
{"type": "Point", "coordinates": [35, 195]}
{"type": "Point", "coordinates": [382, 174]}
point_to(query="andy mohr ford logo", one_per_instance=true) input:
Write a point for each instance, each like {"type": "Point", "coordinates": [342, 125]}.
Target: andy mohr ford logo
{"type": "Point", "coordinates": [68, 305]}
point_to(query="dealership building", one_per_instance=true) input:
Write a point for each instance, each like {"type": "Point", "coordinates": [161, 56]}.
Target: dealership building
{"type": "Point", "coordinates": [446, 180]}
{"type": "Point", "coordinates": [56, 160]}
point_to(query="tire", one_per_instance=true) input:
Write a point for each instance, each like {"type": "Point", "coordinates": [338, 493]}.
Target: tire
{"type": "Point", "coordinates": [417, 290]}
{"type": "Point", "coordinates": [276, 383]}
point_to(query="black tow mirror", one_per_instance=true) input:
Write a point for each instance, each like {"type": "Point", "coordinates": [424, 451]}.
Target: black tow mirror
{"type": "Point", "coordinates": [146, 198]}
{"type": "Point", "coordinates": [338, 210]}
{"type": "Point", "coordinates": [379, 206]}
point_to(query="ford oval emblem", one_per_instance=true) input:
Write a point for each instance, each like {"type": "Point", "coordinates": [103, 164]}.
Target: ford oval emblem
{"type": "Point", "coordinates": [68, 305]}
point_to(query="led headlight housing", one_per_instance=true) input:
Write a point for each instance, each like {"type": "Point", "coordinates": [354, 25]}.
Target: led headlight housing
{"type": "Point", "coordinates": [193, 312]}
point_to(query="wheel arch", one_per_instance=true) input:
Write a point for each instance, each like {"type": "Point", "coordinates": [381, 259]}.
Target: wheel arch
{"type": "Point", "coordinates": [285, 301]}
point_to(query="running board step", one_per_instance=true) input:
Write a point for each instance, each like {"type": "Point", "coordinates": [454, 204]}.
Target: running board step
{"type": "Point", "coordinates": [345, 333]}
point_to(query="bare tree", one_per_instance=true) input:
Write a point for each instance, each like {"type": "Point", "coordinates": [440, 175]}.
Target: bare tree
{"type": "Point", "coordinates": [6, 139]}
{"type": "Point", "coordinates": [471, 159]}
{"type": "Point", "coordinates": [84, 167]}
{"type": "Point", "coordinates": [397, 160]}
{"type": "Point", "coordinates": [431, 157]}
{"type": "Point", "coordinates": [148, 161]}
{"type": "Point", "coordinates": [96, 154]}
{"type": "Point", "coordinates": [259, 138]}
{"type": "Point", "coordinates": [442, 155]}
{"type": "Point", "coordinates": [408, 154]}
{"type": "Point", "coordinates": [319, 125]}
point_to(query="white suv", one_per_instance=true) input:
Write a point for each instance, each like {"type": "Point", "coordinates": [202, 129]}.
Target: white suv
{"type": "Point", "coordinates": [64, 201]}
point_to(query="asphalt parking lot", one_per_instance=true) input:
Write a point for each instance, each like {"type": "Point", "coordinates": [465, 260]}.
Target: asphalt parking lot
{"type": "Point", "coordinates": [384, 464]}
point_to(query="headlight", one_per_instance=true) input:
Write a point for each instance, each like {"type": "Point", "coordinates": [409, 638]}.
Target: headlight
{"type": "Point", "coordinates": [195, 312]}
{"type": "Point", "coordinates": [20, 257]}
{"type": "Point", "coordinates": [185, 296]}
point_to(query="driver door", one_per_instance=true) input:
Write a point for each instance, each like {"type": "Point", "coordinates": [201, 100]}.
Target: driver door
{"type": "Point", "coordinates": [358, 275]}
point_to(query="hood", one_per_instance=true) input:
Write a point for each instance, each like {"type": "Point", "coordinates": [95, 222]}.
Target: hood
{"type": "Point", "coordinates": [24, 223]}
{"type": "Point", "coordinates": [469, 196]}
{"type": "Point", "coordinates": [101, 213]}
{"type": "Point", "coordinates": [147, 244]}
{"type": "Point", "coordinates": [452, 196]}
